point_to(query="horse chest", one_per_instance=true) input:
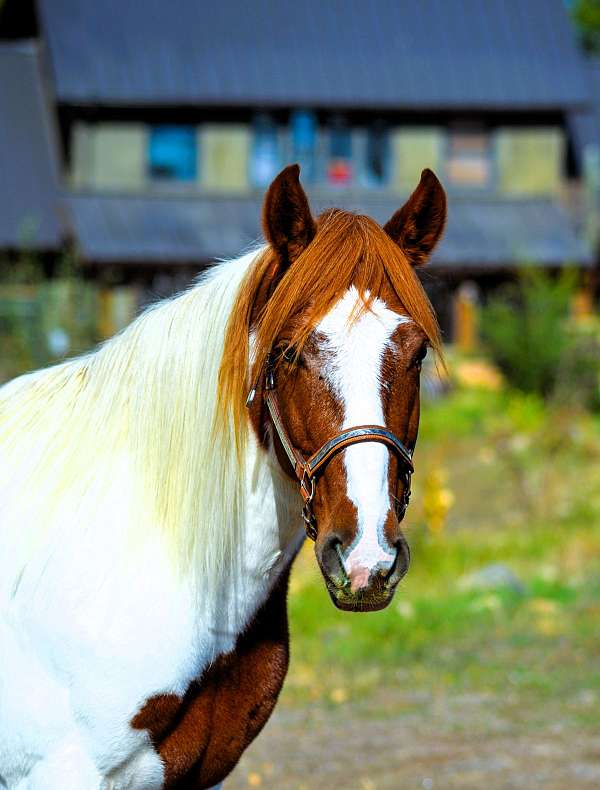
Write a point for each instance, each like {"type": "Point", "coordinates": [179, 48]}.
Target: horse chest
{"type": "Point", "coordinates": [201, 735]}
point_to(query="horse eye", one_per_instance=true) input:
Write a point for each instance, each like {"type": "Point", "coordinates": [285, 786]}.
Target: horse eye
{"type": "Point", "coordinates": [418, 363]}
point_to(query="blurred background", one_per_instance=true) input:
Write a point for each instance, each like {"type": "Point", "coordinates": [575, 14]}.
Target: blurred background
{"type": "Point", "coordinates": [136, 141]}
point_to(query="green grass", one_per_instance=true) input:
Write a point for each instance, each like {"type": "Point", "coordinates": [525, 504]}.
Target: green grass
{"type": "Point", "coordinates": [536, 652]}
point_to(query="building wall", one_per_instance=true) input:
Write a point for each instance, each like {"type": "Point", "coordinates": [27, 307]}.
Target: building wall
{"type": "Point", "coordinates": [334, 153]}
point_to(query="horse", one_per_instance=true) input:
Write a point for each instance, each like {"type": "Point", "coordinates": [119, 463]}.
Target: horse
{"type": "Point", "coordinates": [156, 491]}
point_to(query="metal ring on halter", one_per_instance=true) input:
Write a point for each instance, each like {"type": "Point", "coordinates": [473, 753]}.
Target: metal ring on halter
{"type": "Point", "coordinates": [307, 492]}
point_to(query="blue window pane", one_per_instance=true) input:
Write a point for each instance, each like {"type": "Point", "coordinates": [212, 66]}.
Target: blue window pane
{"type": "Point", "coordinates": [172, 153]}
{"type": "Point", "coordinates": [265, 161]}
{"type": "Point", "coordinates": [304, 142]}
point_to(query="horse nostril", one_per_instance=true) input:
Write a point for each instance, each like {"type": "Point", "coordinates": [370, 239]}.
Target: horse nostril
{"type": "Point", "coordinates": [332, 560]}
{"type": "Point", "coordinates": [401, 563]}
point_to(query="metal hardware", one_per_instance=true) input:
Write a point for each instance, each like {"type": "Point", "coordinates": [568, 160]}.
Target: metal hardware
{"type": "Point", "coordinates": [307, 487]}
{"type": "Point", "coordinates": [310, 522]}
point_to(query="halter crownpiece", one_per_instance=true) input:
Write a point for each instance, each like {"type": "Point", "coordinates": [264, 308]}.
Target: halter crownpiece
{"type": "Point", "coordinates": [307, 470]}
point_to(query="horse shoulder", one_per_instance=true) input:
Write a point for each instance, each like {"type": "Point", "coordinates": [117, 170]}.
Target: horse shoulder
{"type": "Point", "coordinates": [201, 736]}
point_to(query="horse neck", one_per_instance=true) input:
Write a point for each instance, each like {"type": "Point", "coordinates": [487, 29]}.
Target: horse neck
{"type": "Point", "coordinates": [226, 517]}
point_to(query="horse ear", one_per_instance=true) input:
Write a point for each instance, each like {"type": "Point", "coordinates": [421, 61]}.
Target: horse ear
{"type": "Point", "coordinates": [287, 221]}
{"type": "Point", "coordinates": [419, 224]}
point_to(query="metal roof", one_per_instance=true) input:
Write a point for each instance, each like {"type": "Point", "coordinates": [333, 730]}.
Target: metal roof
{"type": "Point", "coordinates": [481, 233]}
{"type": "Point", "coordinates": [28, 165]}
{"type": "Point", "coordinates": [340, 53]}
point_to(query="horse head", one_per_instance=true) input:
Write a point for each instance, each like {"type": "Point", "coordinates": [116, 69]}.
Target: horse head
{"type": "Point", "coordinates": [339, 326]}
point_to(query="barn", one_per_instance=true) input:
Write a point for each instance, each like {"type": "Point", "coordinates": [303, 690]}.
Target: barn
{"type": "Point", "coordinates": [145, 133]}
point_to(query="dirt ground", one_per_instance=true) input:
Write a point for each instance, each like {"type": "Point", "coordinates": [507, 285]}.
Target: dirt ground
{"type": "Point", "coordinates": [459, 742]}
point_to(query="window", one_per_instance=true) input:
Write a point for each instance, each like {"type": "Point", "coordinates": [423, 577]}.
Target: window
{"type": "Point", "coordinates": [529, 160]}
{"type": "Point", "coordinates": [265, 161]}
{"type": "Point", "coordinates": [468, 163]}
{"type": "Point", "coordinates": [172, 153]}
{"type": "Point", "coordinates": [110, 155]}
{"type": "Point", "coordinates": [225, 149]}
{"type": "Point", "coordinates": [339, 168]}
{"type": "Point", "coordinates": [377, 155]}
{"type": "Point", "coordinates": [303, 124]}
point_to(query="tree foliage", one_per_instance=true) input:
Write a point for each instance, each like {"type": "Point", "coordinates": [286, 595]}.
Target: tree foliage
{"type": "Point", "coordinates": [586, 15]}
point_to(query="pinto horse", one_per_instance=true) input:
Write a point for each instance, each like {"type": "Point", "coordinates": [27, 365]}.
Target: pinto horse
{"type": "Point", "coordinates": [152, 491]}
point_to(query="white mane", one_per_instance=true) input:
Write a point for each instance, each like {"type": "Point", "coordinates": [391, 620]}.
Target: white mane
{"type": "Point", "coordinates": [126, 432]}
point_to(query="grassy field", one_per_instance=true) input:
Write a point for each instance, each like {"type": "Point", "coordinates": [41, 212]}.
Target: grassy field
{"type": "Point", "coordinates": [464, 651]}
{"type": "Point", "coordinates": [443, 622]}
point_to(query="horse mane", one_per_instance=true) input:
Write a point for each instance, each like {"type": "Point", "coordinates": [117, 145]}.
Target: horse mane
{"type": "Point", "coordinates": [348, 249]}
{"type": "Point", "coordinates": [127, 431]}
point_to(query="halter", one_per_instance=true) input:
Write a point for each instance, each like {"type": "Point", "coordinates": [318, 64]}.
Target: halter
{"type": "Point", "coordinates": [307, 470]}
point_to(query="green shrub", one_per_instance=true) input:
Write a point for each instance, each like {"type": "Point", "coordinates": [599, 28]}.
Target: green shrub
{"type": "Point", "coordinates": [578, 374]}
{"type": "Point", "coordinates": [42, 320]}
{"type": "Point", "coordinates": [525, 329]}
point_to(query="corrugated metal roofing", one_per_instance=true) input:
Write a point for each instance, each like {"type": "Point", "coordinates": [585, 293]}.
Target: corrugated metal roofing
{"type": "Point", "coordinates": [481, 233]}
{"type": "Point", "coordinates": [28, 166]}
{"type": "Point", "coordinates": [369, 53]}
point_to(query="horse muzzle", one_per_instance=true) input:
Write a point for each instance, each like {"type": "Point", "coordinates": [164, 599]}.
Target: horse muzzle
{"type": "Point", "coordinates": [361, 589]}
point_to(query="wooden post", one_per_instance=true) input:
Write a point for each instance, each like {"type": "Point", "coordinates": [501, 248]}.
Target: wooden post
{"type": "Point", "coordinates": [465, 301]}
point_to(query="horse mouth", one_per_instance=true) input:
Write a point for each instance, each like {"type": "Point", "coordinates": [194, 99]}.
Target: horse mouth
{"type": "Point", "coordinates": [370, 600]}
{"type": "Point", "coordinates": [380, 590]}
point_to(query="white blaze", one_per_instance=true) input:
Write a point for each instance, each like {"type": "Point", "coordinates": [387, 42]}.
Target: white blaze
{"type": "Point", "coordinates": [354, 373]}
